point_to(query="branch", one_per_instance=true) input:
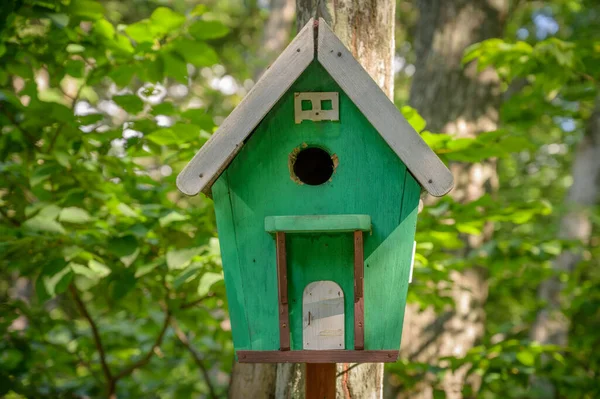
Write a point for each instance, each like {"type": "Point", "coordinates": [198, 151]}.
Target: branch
{"type": "Point", "coordinates": [196, 356]}
{"type": "Point", "coordinates": [195, 302]}
{"type": "Point", "coordinates": [146, 358]}
{"type": "Point", "coordinates": [97, 341]}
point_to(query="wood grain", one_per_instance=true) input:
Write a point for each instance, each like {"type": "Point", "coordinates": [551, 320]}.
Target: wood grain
{"type": "Point", "coordinates": [359, 305]}
{"type": "Point", "coordinates": [284, 315]}
{"type": "Point", "coordinates": [422, 162]}
{"type": "Point", "coordinates": [320, 380]}
{"type": "Point", "coordinates": [323, 316]}
{"type": "Point", "coordinates": [318, 223]}
{"type": "Point", "coordinates": [214, 156]}
{"type": "Point", "coordinates": [324, 356]}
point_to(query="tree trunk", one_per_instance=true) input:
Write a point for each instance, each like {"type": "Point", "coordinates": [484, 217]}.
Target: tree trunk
{"type": "Point", "coordinates": [367, 28]}
{"type": "Point", "coordinates": [551, 326]}
{"type": "Point", "coordinates": [459, 101]}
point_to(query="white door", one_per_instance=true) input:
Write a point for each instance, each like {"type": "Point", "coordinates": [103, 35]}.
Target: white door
{"type": "Point", "coordinates": [323, 316]}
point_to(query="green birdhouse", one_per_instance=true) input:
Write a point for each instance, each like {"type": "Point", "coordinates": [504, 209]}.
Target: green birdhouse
{"type": "Point", "coordinates": [316, 179]}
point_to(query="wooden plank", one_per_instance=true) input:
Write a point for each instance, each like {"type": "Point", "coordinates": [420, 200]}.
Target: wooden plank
{"type": "Point", "coordinates": [318, 223]}
{"type": "Point", "coordinates": [214, 156]}
{"type": "Point", "coordinates": [388, 285]}
{"type": "Point", "coordinates": [235, 287]}
{"type": "Point", "coordinates": [323, 316]}
{"type": "Point", "coordinates": [284, 316]}
{"type": "Point", "coordinates": [359, 305]}
{"type": "Point", "coordinates": [323, 356]}
{"type": "Point", "coordinates": [422, 162]}
{"type": "Point", "coordinates": [320, 380]}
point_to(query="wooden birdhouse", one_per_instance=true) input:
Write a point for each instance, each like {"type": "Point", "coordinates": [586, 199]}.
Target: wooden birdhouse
{"type": "Point", "coordinates": [316, 178]}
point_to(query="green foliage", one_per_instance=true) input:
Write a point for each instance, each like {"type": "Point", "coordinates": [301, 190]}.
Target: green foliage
{"type": "Point", "coordinates": [92, 229]}
{"type": "Point", "coordinates": [93, 233]}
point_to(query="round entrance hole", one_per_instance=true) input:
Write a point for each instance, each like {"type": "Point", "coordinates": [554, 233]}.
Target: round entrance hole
{"type": "Point", "coordinates": [313, 166]}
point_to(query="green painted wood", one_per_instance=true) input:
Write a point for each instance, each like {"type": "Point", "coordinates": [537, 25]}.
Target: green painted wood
{"type": "Point", "coordinates": [384, 318]}
{"type": "Point", "coordinates": [368, 180]}
{"type": "Point", "coordinates": [316, 257]}
{"type": "Point", "coordinates": [234, 286]}
{"type": "Point", "coordinates": [318, 223]}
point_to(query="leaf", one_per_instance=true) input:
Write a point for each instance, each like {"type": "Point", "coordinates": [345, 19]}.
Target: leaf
{"type": "Point", "coordinates": [526, 357]}
{"type": "Point", "coordinates": [55, 276]}
{"type": "Point", "coordinates": [83, 271]}
{"type": "Point", "coordinates": [122, 285]}
{"type": "Point", "coordinates": [131, 103]}
{"type": "Point", "coordinates": [176, 134]}
{"type": "Point", "coordinates": [413, 118]}
{"type": "Point", "coordinates": [175, 66]}
{"type": "Point", "coordinates": [208, 29]}
{"type": "Point", "coordinates": [165, 20]}
{"type": "Point", "coordinates": [99, 269]}
{"type": "Point", "coordinates": [145, 269]}
{"type": "Point", "coordinates": [189, 274]}
{"type": "Point", "coordinates": [45, 225]}
{"type": "Point", "coordinates": [196, 53]}
{"type": "Point", "coordinates": [199, 10]}
{"type": "Point", "coordinates": [140, 31]}
{"type": "Point", "coordinates": [61, 20]}
{"type": "Point", "coordinates": [122, 75]}
{"type": "Point", "coordinates": [74, 215]}
{"type": "Point", "coordinates": [171, 218]}
{"type": "Point", "coordinates": [105, 29]}
{"type": "Point", "coordinates": [126, 210]}
{"type": "Point", "coordinates": [207, 281]}
{"type": "Point", "coordinates": [123, 246]}
{"type": "Point", "coordinates": [179, 258]}
{"type": "Point", "coordinates": [164, 108]}
{"type": "Point", "coordinates": [75, 68]}
{"type": "Point", "coordinates": [75, 48]}
{"type": "Point", "coordinates": [86, 9]}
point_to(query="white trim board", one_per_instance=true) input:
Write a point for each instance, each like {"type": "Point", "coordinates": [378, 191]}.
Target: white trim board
{"type": "Point", "coordinates": [218, 152]}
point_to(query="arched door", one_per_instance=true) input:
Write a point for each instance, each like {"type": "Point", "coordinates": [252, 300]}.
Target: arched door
{"type": "Point", "coordinates": [323, 316]}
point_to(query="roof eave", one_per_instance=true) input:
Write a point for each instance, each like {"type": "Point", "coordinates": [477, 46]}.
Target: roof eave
{"type": "Point", "coordinates": [214, 156]}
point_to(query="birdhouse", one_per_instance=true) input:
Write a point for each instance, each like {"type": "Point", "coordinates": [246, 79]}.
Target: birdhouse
{"type": "Point", "coordinates": [316, 179]}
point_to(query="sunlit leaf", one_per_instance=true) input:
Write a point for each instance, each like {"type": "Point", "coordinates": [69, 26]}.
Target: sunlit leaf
{"type": "Point", "coordinates": [207, 281]}
{"type": "Point", "coordinates": [208, 29]}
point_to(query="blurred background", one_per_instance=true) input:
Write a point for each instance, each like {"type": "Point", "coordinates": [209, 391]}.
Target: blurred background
{"type": "Point", "coordinates": [111, 282]}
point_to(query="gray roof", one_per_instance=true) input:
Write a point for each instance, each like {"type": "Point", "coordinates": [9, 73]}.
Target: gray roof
{"type": "Point", "coordinates": [218, 152]}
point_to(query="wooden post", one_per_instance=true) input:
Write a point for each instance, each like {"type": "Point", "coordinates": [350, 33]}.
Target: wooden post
{"type": "Point", "coordinates": [320, 380]}
{"type": "Point", "coordinates": [282, 287]}
{"type": "Point", "coordinates": [359, 304]}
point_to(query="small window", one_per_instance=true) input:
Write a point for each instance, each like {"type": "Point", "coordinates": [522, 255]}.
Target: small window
{"type": "Point", "coordinates": [306, 105]}
{"type": "Point", "coordinates": [326, 105]}
{"type": "Point", "coordinates": [313, 166]}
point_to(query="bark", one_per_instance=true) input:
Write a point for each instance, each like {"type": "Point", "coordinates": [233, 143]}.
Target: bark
{"type": "Point", "coordinates": [252, 381]}
{"type": "Point", "coordinates": [551, 325]}
{"type": "Point", "coordinates": [459, 101]}
{"type": "Point", "coordinates": [367, 28]}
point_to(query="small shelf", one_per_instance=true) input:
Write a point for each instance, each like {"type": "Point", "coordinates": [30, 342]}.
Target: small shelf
{"type": "Point", "coordinates": [318, 223]}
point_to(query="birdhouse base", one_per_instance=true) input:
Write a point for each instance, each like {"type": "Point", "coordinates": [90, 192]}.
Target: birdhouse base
{"type": "Point", "coordinates": [318, 356]}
